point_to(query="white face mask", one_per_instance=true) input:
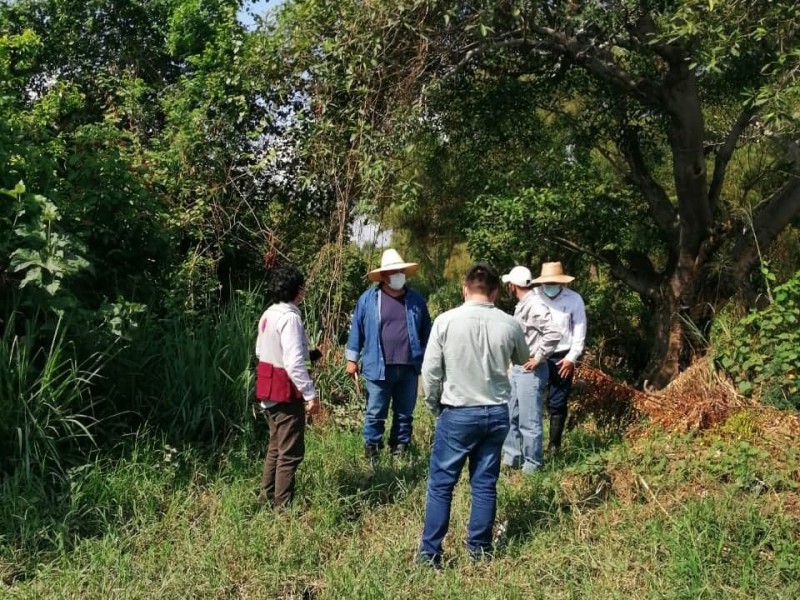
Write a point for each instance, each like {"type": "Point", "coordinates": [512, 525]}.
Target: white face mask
{"type": "Point", "coordinates": [550, 290]}
{"type": "Point", "coordinates": [397, 281]}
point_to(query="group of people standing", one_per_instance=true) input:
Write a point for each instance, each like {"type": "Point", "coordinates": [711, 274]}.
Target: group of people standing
{"type": "Point", "coordinates": [484, 375]}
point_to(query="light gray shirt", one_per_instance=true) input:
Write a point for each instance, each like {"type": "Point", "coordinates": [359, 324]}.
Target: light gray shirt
{"type": "Point", "coordinates": [467, 357]}
{"type": "Point", "coordinates": [541, 330]}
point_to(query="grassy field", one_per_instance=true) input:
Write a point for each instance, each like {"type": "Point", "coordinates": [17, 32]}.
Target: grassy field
{"type": "Point", "coordinates": [652, 516]}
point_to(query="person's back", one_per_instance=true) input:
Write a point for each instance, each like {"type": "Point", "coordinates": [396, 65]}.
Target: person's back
{"type": "Point", "coordinates": [464, 376]}
{"type": "Point", "coordinates": [475, 342]}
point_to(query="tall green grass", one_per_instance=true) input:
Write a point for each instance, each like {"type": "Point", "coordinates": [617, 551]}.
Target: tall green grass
{"type": "Point", "coordinates": [163, 523]}
{"type": "Point", "coordinates": [47, 410]}
{"type": "Point", "coordinates": [190, 378]}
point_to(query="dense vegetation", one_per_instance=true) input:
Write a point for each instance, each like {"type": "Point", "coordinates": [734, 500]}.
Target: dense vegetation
{"type": "Point", "coordinates": [157, 159]}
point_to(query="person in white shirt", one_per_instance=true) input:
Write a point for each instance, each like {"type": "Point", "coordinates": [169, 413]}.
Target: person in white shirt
{"type": "Point", "coordinates": [569, 314]}
{"type": "Point", "coordinates": [283, 386]}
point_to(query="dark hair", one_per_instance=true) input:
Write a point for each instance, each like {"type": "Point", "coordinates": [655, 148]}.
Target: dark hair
{"type": "Point", "coordinates": [482, 278]}
{"type": "Point", "coordinates": [285, 284]}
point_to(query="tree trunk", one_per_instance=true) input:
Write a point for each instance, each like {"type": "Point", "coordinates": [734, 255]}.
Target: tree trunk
{"type": "Point", "coordinates": [664, 362]}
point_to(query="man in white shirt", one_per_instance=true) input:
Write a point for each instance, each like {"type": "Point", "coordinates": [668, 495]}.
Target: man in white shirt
{"type": "Point", "coordinates": [465, 380]}
{"type": "Point", "coordinates": [569, 314]}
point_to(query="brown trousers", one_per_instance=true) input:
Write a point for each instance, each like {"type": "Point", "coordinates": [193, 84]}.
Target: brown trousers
{"type": "Point", "coordinates": [287, 426]}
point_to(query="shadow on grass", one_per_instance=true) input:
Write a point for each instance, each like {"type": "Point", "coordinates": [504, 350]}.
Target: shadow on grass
{"type": "Point", "coordinates": [362, 487]}
{"type": "Point", "coordinates": [582, 443]}
{"type": "Point", "coordinates": [530, 504]}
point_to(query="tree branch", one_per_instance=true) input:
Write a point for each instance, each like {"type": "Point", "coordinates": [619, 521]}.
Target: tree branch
{"type": "Point", "coordinates": [639, 283]}
{"type": "Point", "coordinates": [588, 55]}
{"type": "Point", "coordinates": [769, 219]}
{"type": "Point", "coordinates": [664, 214]}
{"type": "Point", "coordinates": [725, 154]}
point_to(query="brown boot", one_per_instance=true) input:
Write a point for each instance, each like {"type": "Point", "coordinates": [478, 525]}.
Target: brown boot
{"type": "Point", "coordinates": [371, 453]}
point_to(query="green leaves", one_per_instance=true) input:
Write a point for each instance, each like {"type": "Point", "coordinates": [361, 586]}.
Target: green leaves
{"type": "Point", "coordinates": [40, 254]}
{"type": "Point", "coordinates": [761, 351]}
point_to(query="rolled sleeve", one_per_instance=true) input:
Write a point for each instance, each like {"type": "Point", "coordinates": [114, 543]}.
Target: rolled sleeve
{"type": "Point", "coordinates": [578, 332]}
{"type": "Point", "coordinates": [355, 341]}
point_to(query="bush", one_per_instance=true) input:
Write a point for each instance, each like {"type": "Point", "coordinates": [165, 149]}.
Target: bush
{"type": "Point", "coordinates": [761, 351]}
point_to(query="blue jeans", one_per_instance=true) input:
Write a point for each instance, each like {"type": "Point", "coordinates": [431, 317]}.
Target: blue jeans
{"type": "Point", "coordinates": [477, 434]}
{"type": "Point", "coordinates": [398, 389]}
{"type": "Point", "coordinates": [523, 445]}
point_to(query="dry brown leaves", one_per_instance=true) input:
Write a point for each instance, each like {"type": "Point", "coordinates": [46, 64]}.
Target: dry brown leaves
{"type": "Point", "coordinates": [697, 399]}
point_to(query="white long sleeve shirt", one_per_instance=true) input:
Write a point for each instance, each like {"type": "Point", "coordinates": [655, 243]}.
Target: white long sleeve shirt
{"type": "Point", "coordinates": [282, 342]}
{"type": "Point", "coordinates": [569, 316]}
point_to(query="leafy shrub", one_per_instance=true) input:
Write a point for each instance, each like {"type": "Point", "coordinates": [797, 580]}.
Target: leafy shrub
{"type": "Point", "coordinates": [761, 351]}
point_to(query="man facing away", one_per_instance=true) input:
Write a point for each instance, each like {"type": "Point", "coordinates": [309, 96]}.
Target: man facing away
{"type": "Point", "coordinates": [465, 381]}
{"type": "Point", "coordinates": [569, 315]}
{"type": "Point", "coordinates": [388, 332]}
{"type": "Point", "coordinates": [523, 445]}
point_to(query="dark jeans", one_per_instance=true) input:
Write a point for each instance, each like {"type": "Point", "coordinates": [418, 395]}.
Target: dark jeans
{"type": "Point", "coordinates": [287, 426]}
{"type": "Point", "coordinates": [477, 434]}
{"type": "Point", "coordinates": [399, 390]}
{"type": "Point", "coordinates": [558, 387]}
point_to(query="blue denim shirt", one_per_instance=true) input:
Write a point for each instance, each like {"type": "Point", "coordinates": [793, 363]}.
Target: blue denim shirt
{"type": "Point", "coordinates": [365, 332]}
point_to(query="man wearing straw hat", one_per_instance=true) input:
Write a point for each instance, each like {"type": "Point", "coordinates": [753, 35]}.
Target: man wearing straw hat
{"type": "Point", "coordinates": [388, 333]}
{"type": "Point", "coordinates": [569, 315]}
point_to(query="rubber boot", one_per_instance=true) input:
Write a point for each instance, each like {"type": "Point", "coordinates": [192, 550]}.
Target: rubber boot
{"type": "Point", "coordinates": [557, 423]}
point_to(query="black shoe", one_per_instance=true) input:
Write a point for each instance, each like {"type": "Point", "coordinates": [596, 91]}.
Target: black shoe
{"type": "Point", "coordinates": [480, 555]}
{"type": "Point", "coordinates": [557, 423]}
{"type": "Point", "coordinates": [434, 561]}
{"type": "Point", "coordinates": [399, 450]}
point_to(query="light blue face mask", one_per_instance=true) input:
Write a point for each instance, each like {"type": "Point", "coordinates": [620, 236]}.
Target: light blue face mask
{"type": "Point", "coordinates": [550, 290]}
{"type": "Point", "coordinates": [397, 281]}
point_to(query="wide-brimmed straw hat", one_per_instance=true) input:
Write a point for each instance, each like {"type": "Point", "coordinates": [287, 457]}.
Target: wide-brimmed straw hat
{"type": "Point", "coordinates": [553, 272]}
{"type": "Point", "coordinates": [392, 261]}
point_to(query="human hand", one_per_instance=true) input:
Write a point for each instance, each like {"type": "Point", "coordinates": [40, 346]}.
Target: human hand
{"type": "Point", "coordinates": [565, 368]}
{"type": "Point", "coordinates": [531, 364]}
{"type": "Point", "coordinates": [312, 406]}
{"type": "Point", "coordinates": [352, 369]}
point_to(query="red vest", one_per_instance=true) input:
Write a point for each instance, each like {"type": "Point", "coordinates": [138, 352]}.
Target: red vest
{"type": "Point", "coordinates": [273, 383]}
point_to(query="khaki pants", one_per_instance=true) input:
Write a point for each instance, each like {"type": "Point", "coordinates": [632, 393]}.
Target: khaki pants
{"type": "Point", "coordinates": [284, 453]}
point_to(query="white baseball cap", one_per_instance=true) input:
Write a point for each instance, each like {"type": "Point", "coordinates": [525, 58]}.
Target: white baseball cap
{"type": "Point", "coordinates": [520, 276]}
